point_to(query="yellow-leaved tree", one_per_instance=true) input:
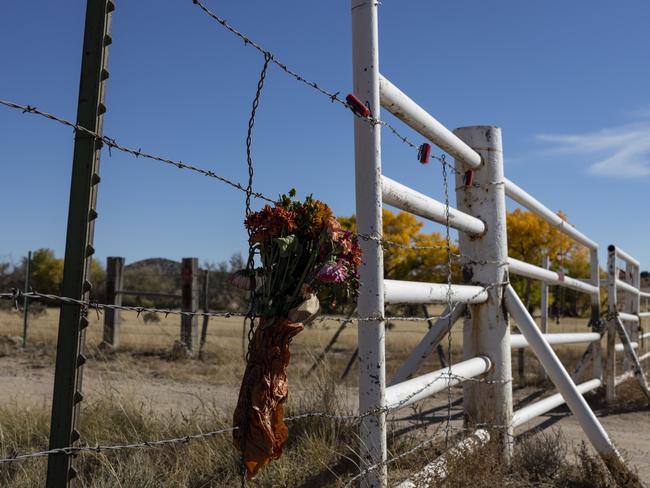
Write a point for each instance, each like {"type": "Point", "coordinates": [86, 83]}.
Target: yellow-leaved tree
{"type": "Point", "coordinates": [401, 232]}
{"type": "Point", "coordinates": [529, 239]}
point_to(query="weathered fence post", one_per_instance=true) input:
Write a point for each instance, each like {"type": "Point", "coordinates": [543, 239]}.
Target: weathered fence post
{"type": "Point", "coordinates": [114, 285]}
{"type": "Point", "coordinates": [486, 330]}
{"type": "Point", "coordinates": [631, 306]}
{"type": "Point", "coordinates": [367, 154]}
{"type": "Point", "coordinates": [190, 303]}
{"type": "Point", "coordinates": [28, 265]}
{"type": "Point", "coordinates": [206, 309]}
{"type": "Point", "coordinates": [594, 320]}
{"type": "Point", "coordinates": [73, 320]}
{"type": "Point", "coordinates": [610, 393]}
{"type": "Point", "coordinates": [543, 321]}
{"type": "Point", "coordinates": [544, 302]}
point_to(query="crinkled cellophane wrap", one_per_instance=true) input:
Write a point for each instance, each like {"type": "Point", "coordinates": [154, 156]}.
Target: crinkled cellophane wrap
{"type": "Point", "coordinates": [266, 385]}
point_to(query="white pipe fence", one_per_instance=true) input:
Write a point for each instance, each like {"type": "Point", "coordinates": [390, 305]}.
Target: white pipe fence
{"type": "Point", "coordinates": [522, 268]}
{"type": "Point", "coordinates": [532, 204]}
{"type": "Point", "coordinates": [438, 470]}
{"type": "Point", "coordinates": [625, 323]}
{"type": "Point", "coordinates": [396, 291]}
{"type": "Point", "coordinates": [534, 410]}
{"type": "Point", "coordinates": [410, 391]}
{"type": "Point", "coordinates": [414, 202]}
{"type": "Point", "coordinates": [434, 335]}
{"type": "Point", "coordinates": [484, 301]}
{"type": "Point", "coordinates": [518, 341]}
{"type": "Point", "coordinates": [405, 109]}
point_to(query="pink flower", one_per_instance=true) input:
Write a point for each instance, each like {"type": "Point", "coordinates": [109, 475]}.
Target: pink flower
{"type": "Point", "coordinates": [333, 272]}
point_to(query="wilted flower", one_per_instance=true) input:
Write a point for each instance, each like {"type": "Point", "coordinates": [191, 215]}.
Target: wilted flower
{"type": "Point", "coordinates": [334, 228]}
{"type": "Point", "coordinates": [333, 272]}
{"type": "Point", "coordinates": [242, 279]}
{"type": "Point", "coordinates": [270, 222]}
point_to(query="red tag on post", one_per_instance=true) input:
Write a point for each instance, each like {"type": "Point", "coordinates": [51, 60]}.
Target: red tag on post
{"type": "Point", "coordinates": [424, 151]}
{"type": "Point", "coordinates": [356, 106]}
{"type": "Point", "coordinates": [469, 177]}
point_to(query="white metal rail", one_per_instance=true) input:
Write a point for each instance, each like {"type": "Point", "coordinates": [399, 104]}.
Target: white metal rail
{"type": "Point", "coordinates": [405, 109]}
{"type": "Point", "coordinates": [518, 341]}
{"type": "Point", "coordinates": [535, 206]}
{"type": "Point", "coordinates": [418, 292]}
{"type": "Point", "coordinates": [414, 202]}
{"type": "Point", "coordinates": [410, 391]}
{"type": "Point", "coordinates": [522, 268]}
{"type": "Point", "coordinates": [529, 412]}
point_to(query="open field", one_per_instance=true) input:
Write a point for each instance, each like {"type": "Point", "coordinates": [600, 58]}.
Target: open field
{"type": "Point", "coordinates": [140, 392]}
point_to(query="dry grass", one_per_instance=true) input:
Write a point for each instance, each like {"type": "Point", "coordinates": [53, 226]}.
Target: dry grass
{"type": "Point", "coordinates": [538, 461]}
{"type": "Point", "coordinates": [224, 343]}
{"type": "Point", "coordinates": [320, 452]}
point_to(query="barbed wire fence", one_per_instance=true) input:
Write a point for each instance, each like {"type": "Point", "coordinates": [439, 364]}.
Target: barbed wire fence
{"type": "Point", "coordinates": [89, 306]}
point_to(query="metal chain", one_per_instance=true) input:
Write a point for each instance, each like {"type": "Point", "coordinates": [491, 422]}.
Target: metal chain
{"type": "Point", "coordinates": [249, 134]}
{"type": "Point", "coordinates": [449, 299]}
{"type": "Point", "coordinates": [249, 319]}
{"type": "Point", "coordinates": [250, 264]}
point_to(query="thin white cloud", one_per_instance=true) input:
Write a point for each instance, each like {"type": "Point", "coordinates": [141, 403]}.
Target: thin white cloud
{"type": "Point", "coordinates": [622, 151]}
{"type": "Point", "coordinates": [638, 113]}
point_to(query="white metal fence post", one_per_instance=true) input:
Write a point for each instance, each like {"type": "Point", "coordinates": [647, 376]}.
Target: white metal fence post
{"type": "Point", "coordinates": [544, 301]}
{"type": "Point", "coordinates": [596, 326]}
{"type": "Point", "coordinates": [633, 306]}
{"type": "Point", "coordinates": [367, 151]}
{"type": "Point", "coordinates": [611, 326]}
{"type": "Point", "coordinates": [486, 330]}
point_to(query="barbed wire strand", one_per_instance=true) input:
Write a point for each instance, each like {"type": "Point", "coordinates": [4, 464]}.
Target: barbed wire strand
{"type": "Point", "coordinates": [16, 295]}
{"type": "Point", "coordinates": [113, 144]}
{"type": "Point", "coordinates": [74, 450]}
{"type": "Point", "coordinates": [334, 97]}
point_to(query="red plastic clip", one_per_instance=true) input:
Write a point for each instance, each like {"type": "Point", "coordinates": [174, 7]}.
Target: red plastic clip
{"type": "Point", "coordinates": [469, 177]}
{"type": "Point", "coordinates": [356, 106]}
{"type": "Point", "coordinates": [424, 151]}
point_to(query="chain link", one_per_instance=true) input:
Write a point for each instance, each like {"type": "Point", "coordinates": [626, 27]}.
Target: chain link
{"type": "Point", "coordinates": [449, 298]}
{"type": "Point", "coordinates": [249, 319]}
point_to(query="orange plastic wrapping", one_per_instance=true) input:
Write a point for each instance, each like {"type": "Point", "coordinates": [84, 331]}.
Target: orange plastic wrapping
{"type": "Point", "coordinates": [266, 381]}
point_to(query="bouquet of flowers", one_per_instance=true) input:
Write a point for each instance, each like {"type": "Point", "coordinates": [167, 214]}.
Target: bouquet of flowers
{"type": "Point", "coordinates": [304, 255]}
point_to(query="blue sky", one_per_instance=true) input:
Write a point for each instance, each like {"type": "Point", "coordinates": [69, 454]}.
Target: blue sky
{"type": "Point", "coordinates": [567, 81]}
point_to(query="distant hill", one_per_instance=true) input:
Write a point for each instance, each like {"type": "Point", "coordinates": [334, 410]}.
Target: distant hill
{"type": "Point", "coordinates": [163, 266]}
